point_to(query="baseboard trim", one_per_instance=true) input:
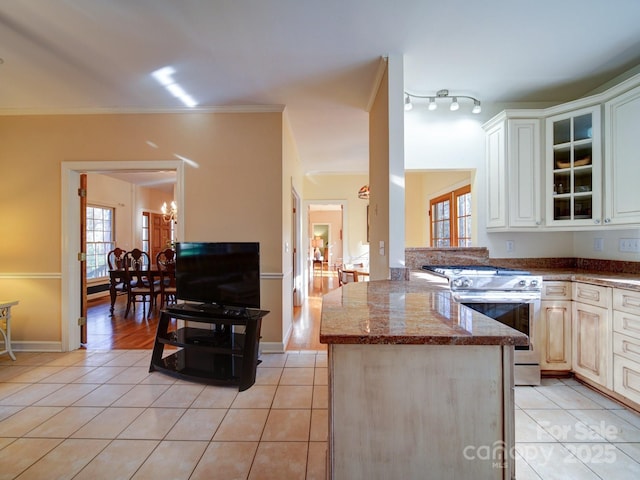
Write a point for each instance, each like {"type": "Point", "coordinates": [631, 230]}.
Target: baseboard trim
{"type": "Point", "coordinates": [18, 346]}
{"type": "Point", "coordinates": [272, 347]}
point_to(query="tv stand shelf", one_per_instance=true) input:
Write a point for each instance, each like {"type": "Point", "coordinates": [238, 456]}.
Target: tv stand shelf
{"type": "Point", "coordinates": [218, 356]}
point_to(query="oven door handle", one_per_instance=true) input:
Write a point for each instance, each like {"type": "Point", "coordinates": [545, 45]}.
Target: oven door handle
{"type": "Point", "coordinates": [495, 297]}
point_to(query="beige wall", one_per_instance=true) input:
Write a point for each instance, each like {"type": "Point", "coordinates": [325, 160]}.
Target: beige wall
{"type": "Point", "coordinates": [421, 187]}
{"type": "Point", "coordinates": [235, 194]}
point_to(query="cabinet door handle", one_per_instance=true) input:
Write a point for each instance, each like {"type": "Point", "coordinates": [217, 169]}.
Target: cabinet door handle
{"type": "Point", "coordinates": [596, 221]}
{"type": "Point", "coordinates": [607, 220]}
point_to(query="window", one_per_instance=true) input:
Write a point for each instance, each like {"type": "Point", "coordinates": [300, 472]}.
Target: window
{"type": "Point", "coordinates": [99, 240]}
{"type": "Point", "coordinates": [145, 232]}
{"type": "Point", "coordinates": [451, 219]}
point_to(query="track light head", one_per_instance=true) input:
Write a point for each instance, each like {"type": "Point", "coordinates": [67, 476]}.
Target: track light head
{"type": "Point", "coordinates": [454, 104]}
{"type": "Point", "coordinates": [476, 107]}
{"type": "Point", "coordinates": [432, 104]}
{"type": "Point", "coordinates": [407, 103]}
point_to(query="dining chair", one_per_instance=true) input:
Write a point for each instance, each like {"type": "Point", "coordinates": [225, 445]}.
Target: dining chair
{"type": "Point", "coordinates": [166, 262]}
{"type": "Point", "coordinates": [139, 286]}
{"type": "Point", "coordinates": [168, 286]}
{"type": "Point", "coordinates": [165, 259]}
{"type": "Point", "coordinates": [345, 277]}
{"type": "Point", "coordinates": [115, 261]}
{"type": "Point", "coordinates": [355, 267]}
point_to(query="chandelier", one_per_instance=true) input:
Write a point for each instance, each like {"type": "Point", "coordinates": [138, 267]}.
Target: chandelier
{"type": "Point", "coordinates": [442, 94]}
{"type": "Point", "coordinates": [170, 214]}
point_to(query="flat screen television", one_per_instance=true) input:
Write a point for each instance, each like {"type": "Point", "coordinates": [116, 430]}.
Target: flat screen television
{"type": "Point", "coordinates": [219, 273]}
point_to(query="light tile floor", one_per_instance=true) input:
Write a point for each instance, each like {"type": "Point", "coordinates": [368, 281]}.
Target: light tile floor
{"type": "Point", "coordinates": [101, 414]}
{"type": "Point", "coordinates": [565, 430]}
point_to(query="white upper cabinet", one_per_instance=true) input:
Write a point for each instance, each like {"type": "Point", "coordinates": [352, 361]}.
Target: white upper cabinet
{"type": "Point", "coordinates": [622, 158]}
{"type": "Point", "coordinates": [513, 172]}
{"type": "Point", "coordinates": [496, 176]}
{"type": "Point", "coordinates": [574, 168]}
{"type": "Point", "coordinates": [546, 168]}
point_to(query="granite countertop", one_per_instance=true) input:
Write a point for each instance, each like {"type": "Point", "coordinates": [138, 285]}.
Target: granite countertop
{"type": "Point", "coordinates": [415, 312]}
{"type": "Point", "coordinates": [605, 279]}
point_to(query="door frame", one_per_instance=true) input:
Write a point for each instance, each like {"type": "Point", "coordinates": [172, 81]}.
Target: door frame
{"type": "Point", "coordinates": [296, 249]}
{"type": "Point", "coordinates": [306, 245]}
{"type": "Point", "coordinates": [70, 239]}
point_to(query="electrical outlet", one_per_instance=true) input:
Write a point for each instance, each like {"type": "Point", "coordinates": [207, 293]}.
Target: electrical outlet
{"type": "Point", "coordinates": [598, 244]}
{"type": "Point", "coordinates": [629, 245]}
{"type": "Point", "coordinates": [511, 246]}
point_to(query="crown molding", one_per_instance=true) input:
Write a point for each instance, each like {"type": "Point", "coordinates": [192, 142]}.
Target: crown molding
{"type": "Point", "coordinates": [131, 111]}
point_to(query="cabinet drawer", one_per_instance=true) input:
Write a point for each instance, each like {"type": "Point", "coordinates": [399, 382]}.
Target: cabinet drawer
{"type": "Point", "coordinates": [592, 294]}
{"type": "Point", "coordinates": [554, 290]}
{"type": "Point", "coordinates": [627, 347]}
{"type": "Point", "coordinates": [626, 324]}
{"type": "Point", "coordinates": [626, 378]}
{"type": "Point", "coordinates": [626, 300]}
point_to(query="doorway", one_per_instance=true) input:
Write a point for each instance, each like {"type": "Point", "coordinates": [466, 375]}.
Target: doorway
{"type": "Point", "coordinates": [71, 272]}
{"type": "Point", "coordinates": [325, 242]}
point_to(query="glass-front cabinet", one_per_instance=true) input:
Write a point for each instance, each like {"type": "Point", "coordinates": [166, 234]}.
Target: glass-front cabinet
{"type": "Point", "coordinates": [574, 180]}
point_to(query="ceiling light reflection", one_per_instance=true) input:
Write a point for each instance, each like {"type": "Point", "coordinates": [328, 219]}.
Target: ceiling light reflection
{"type": "Point", "coordinates": [164, 76]}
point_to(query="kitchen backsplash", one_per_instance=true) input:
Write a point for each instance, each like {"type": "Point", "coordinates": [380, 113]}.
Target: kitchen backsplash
{"type": "Point", "coordinates": [416, 257]}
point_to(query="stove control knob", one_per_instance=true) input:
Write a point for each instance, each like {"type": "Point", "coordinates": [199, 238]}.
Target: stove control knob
{"type": "Point", "coordinates": [534, 283]}
{"type": "Point", "coordinates": [522, 283]}
{"type": "Point", "coordinates": [462, 282]}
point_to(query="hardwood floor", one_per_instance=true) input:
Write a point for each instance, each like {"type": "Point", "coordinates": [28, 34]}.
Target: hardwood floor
{"type": "Point", "coordinates": [138, 331]}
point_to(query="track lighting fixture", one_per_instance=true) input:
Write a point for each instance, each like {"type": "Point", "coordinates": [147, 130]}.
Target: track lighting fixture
{"type": "Point", "coordinates": [441, 94]}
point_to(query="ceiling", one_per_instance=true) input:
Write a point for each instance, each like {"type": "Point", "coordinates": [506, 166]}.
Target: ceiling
{"type": "Point", "coordinates": [319, 59]}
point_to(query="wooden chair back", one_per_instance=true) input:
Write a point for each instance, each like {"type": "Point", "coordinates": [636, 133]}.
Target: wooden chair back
{"type": "Point", "coordinates": [115, 259]}
{"type": "Point", "coordinates": [136, 259]}
{"type": "Point", "coordinates": [166, 260]}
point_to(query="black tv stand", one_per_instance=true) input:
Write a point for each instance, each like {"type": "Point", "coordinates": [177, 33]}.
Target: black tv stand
{"type": "Point", "coordinates": [218, 355]}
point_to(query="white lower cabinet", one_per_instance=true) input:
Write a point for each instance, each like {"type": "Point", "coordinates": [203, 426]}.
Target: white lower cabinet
{"type": "Point", "coordinates": [626, 344]}
{"type": "Point", "coordinates": [554, 327]}
{"type": "Point", "coordinates": [592, 333]}
{"type": "Point", "coordinates": [626, 378]}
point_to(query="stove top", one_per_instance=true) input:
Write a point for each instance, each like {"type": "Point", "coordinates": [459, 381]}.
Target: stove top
{"type": "Point", "coordinates": [486, 283]}
{"type": "Point", "coordinates": [450, 270]}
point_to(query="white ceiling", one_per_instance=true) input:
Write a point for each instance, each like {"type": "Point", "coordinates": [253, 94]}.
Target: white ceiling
{"type": "Point", "coordinates": [319, 59]}
{"type": "Point", "coordinates": [162, 180]}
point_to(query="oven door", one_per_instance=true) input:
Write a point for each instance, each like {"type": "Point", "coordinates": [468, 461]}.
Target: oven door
{"type": "Point", "coordinates": [518, 315]}
{"type": "Point", "coordinates": [521, 316]}
{"type": "Point", "coordinates": [514, 315]}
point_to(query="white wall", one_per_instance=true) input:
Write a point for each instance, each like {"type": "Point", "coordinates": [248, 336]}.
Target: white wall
{"type": "Point", "coordinates": [583, 244]}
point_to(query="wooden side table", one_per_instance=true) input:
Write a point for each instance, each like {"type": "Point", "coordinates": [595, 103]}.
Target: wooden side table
{"type": "Point", "coordinates": [5, 317]}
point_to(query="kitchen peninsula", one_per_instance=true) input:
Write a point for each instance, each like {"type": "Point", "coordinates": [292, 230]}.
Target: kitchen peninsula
{"type": "Point", "coordinates": [419, 386]}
